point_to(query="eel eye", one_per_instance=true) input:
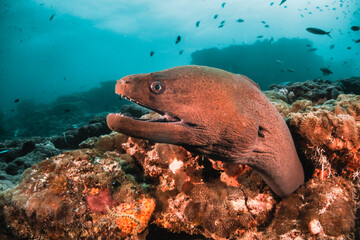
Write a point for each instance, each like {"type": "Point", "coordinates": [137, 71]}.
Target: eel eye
{"type": "Point", "coordinates": [157, 87]}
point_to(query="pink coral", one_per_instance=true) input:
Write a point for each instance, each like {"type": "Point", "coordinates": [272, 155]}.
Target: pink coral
{"type": "Point", "coordinates": [98, 201]}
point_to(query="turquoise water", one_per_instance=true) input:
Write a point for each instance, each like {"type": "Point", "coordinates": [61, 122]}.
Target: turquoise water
{"type": "Point", "coordinates": [52, 48]}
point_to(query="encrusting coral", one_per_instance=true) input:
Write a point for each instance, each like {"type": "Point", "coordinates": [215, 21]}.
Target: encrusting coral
{"type": "Point", "coordinates": [67, 197]}
{"type": "Point", "coordinates": [332, 132]}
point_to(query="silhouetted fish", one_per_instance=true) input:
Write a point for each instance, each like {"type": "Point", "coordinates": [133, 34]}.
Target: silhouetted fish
{"type": "Point", "coordinates": [152, 53]}
{"type": "Point", "coordinates": [178, 39]}
{"type": "Point", "coordinates": [312, 49]}
{"type": "Point", "coordinates": [326, 71]}
{"type": "Point", "coordinates": [290, 70]}
{"type": "Point", "coordinates": [16, 100]}
{"type": "Point", "coordinates": [348, 48]}
{"type": "Point", "coordinates": [216, 16]}
{"type": "Point", "coordinates": [181, 52]}
{"type": "Point", "coordinates": [272, 3]}
{"type": "Point", "coordinates": [271, 40]}
{"type": "Point", "coordinates": [317, 31]}
{"type": "Point", "coordinates": [260, 36]}
{"type": "Point", "coordinates": [51, 18]}
{"type": "Point", "coordinates": [282, 1]}
{"type": "Point", "coordinates": [266, 26]}
{"type": "Point", "coordinates": [263, 22]}
{"type": "Point", "coordinates": [332, 46]}
{"type": "Point", "coordinates": [223, 4]}
{"type": "Point", "coordinates": [357, 41]}
{"type": "Point", "coordinates": [240, 20]}
{"type": "Point", "coordinates": [355, 28]}
{"type": "Point", "coordinates": [67, 110]}
{"type": "Point", "coordinates": [197, 23]}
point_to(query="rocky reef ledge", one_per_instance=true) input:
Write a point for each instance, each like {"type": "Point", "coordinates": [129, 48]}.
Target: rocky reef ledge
{"type": "Point", "coordinates": [118, 187]}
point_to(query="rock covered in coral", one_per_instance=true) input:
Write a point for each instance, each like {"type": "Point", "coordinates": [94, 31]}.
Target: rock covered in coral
{"type": "Point", "coordinates": [73, 137]}
{"type": "Point", "coordinates": [322, 209]}
{"type": "Point", "coordinates": [317, 91]}
{"type": "Point", "coordinates": [61, 197]}
{"type": "Point", "coordinates": [350, 85]}
{"type": "Point", "coordinates": [21, 154]}
{"type": "Point", "coordinates": [330, 134]}
{"type": "Point", "coordinates": [119, 185]}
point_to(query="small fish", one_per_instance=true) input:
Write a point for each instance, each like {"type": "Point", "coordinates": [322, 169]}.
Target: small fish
{"type": "Point", "coordinates": [312, 49]}
{"type": "Point", "coordinates": [308, 45]}
{"type": "Point", "coordinates": [12, 110]}
{"type": "Point", "coordinates": [272, 3]}
{"type": "Point", "coordinates": [271, 40]}
{"type": "Point", "coordinates": [52, 16]}
{"type": "Point", "coordinates": [326, 71]}
{"type": "Point", "coordinates": [222, 22]}
{"type": "Point", "coordinates": [16, 100]}
{"type": "Point", "coordinates": [152, 53]}
{"type": "Point", "coordinates": [284, 83]}
{"type": "Point", "coordinates": [240, 20]}
{"type": "Point", "coordinates": [266, 26]}
{"type": "Point", "coordinates": [317, 31]}
{"type": "Point", "coordinates": [282, 1]}
{"type": "Point", "coordinates": [290, 70]}
{"type": "Point", "coordinates": [221, 26]}
{"type": "Point", "coordinates": [181, 52]}
{"type": "Point", "coordinates": [4, 151]}
{"type": "Point", "coordinates": [278, 61]}
{"type": "Point", "coordinates": [332, 46]}
{"type": "Point", "coordinates": [216, 16]}
{"type": "Point", "coordinates": [357, 41]}
{"type": "Point", "coordinates": [223, 4]}
{"type": "Point", "coordinates": [348, 48]}
{"type": "Point", "coordinates": [263, 22]}
{"type": "Point", "coordinates": [355, 28]}
{"type": "Point", "coordinates": [178, 39]}
{"type": "Point", "coordinates": [260, 36]}
{"type": "Point", "coordinates": [197, 24]}
{"type": "Point", "coordinates": [67, 110]}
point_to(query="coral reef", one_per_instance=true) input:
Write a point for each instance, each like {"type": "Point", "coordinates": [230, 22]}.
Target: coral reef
{"type": "Point", "coordinates": [330, 134]}
{"type": "Point", "coordinates": [350, 85]}
{"type": "Point", "coordinates": [60, 198]}
{"type": "Point", "coordinates": [73, 137]}
{"type": "Point", "coordinates": [119, 187]}
{"type": "Point", "coordinates": [317, 91]}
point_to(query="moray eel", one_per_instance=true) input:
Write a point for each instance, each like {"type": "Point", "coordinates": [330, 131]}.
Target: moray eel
{"type": "Point", "coordinates": [216, 114]}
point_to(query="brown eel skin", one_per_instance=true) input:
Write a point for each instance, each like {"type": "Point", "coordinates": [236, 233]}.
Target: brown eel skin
{"type": "Point", "coordinates": [214, 113]}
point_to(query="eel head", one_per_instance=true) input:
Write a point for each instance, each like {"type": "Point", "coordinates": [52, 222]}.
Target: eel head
{"type": "Point", "coordinates": [196, 109]}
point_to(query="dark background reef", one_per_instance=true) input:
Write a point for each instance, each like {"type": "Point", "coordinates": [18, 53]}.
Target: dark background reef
{"type": "Point", "coordinates": [266, 63]}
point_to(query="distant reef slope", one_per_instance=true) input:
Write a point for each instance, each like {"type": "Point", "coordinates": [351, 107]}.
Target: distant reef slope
{"type": "Point", "coordinates": [266, 62]}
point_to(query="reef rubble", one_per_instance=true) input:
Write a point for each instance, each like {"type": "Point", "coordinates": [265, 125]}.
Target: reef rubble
{"type": "Point", "coordinates": [119, 187]}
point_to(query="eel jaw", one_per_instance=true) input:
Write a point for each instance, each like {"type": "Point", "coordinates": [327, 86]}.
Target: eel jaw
{"type": "Point", "coordinates": [165, 129]}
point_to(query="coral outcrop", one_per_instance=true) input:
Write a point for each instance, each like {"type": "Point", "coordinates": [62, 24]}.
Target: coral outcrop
{"type": "Point", "coordinates": [330, 134]}
{"type": "Point", "coordinates": [66, 197]}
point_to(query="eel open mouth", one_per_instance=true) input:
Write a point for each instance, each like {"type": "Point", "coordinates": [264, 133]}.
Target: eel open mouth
{"type": "Point", "coordinates": [155, 116]}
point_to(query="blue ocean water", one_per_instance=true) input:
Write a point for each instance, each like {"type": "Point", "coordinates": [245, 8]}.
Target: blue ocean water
{"type": "Point", "coordinates": [52, 48]}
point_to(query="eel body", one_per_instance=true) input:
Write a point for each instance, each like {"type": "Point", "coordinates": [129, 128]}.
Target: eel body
{"type": "Point", "coordinates": [216, 114]}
